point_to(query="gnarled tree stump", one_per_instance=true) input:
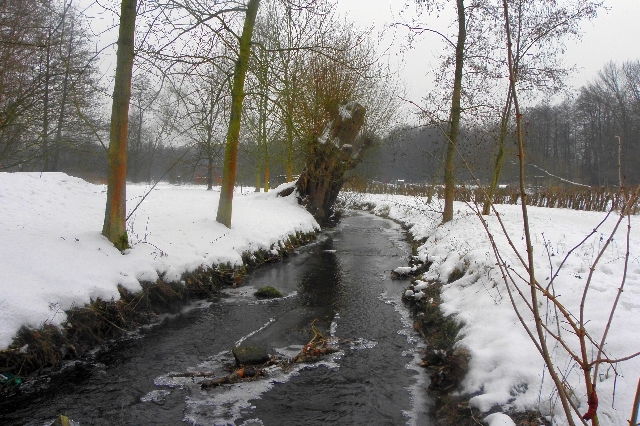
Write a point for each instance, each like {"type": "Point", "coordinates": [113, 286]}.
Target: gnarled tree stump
{"type": "Point", "coordinates": [330, 156]}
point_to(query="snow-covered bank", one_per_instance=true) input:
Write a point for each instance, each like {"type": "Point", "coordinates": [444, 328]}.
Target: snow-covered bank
{"type": "Point", "coordinates": [53, 256]}
{"type": "Point", "coordinates": [506, 369]}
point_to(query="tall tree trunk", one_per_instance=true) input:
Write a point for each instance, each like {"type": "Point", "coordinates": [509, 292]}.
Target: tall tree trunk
{"type": "Point", "coordinates": [289, 84]}
{"type": "Point", "coordinates": [454, 125]}
{"type": "Point", "coordinates": [55, 157]}
{"type": "Point", "coordinates": [506, 112]}
{"type": "Point", "coordinates": [114, 227]}
{"type": "Point", "coordinates": [263, 136]}
{"type": "Point", "coordinates": [46, 149]}
{"type": "Point", "coordinates": [209, 151]}
{"type": "Point", "coordinates": [233, 134]}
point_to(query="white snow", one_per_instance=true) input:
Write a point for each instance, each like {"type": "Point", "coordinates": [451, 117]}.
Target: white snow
{"type": "Point", "coordinates": [345, 110]}
{"type": "Point", "coordinates": [499, 419]}
{"type": "Point", "coordinates": [506, 370]}
{"type": "Point", "coordinates": [54, 256]}
{"type": "Point", "coordinates": [325, 134]}
{"type": "Point", "coordinates": [403, 270]}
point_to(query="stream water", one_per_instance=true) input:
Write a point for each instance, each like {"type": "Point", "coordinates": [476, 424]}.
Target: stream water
{"type": "Point", "coordinates": [341, 284]}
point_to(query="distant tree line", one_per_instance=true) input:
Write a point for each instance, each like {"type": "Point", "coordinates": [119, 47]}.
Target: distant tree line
{"type": "Point", "coordinates": [50, 97]}
{"type": "Point", "coordinates": [577, 139]}
{"type": "Point", "coordinates": [415, 154]}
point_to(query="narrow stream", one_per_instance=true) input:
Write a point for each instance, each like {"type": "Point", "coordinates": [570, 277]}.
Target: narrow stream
{"type": "Point", "coordinates": [341, 284]}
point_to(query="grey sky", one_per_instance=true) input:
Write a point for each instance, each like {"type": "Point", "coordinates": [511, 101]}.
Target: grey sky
{"type": "Point", "coordinates": [613, 36]}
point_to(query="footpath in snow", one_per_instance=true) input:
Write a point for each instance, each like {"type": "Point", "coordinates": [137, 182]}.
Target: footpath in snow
{"type": "Point", "coordinates": [53, 256]}
{"type": "Point", "coordinates": [505, 368]}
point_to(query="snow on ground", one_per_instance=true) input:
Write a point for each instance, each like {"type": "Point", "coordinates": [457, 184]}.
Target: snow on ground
{"type": "Point", "coordinates": [53, 256]}
{"type": "Point", "coordinates": [506, 369]}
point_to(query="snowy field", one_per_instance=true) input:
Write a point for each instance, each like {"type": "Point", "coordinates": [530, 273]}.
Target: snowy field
{"type": "Point", "coordinates": [53, 256]}
{"type": "Point", "coordinates": [506, 369]}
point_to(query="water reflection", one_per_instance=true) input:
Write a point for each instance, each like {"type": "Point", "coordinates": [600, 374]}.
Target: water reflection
{"type": "Point", "coordinates": [321, 283]}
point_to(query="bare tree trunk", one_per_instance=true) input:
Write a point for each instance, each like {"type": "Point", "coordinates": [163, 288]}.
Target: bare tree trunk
{"type": "Point", "coordinates": [525, 219]}
{"type": "Point", "coordinates": [454, 126]}
{"type": "Point", "coordinates": [45, 105]}
{"type": "Point", "coordinates": [55, 155]}
{"type": "Point", "coordinates": [263, 137]}
{"type": "Point", "coordinates": [233, 134]}
{"type": "Point", "coordinates": [486, 208]}
{"type": "Point", "coordinates": [114, 227]}
{"type": "Point", "coordinates": [209, 171]}
{"type": "Point", "coordinates": [289, 87]}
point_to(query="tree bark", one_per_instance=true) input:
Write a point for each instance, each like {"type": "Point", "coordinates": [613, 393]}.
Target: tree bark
{"type": "Point", "coordinates": [46, 149]}
{"type": "Point", "coordinates": [456, 111]}
{"type": "Point", "coordinates": [263, 137]}
{"type": "Point", "coordinates": [506, 113]}
{"type": "Point", "coordinates": [114, 227]}
{"type": "Point", "coordinates": [57, 144]}
{"type": "Point", "coordinates": [233, 133]}
{"type": "Point", "coordinates": [330, 157]}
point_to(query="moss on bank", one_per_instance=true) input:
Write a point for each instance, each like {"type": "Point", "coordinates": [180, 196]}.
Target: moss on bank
{"type": "Point", "coordinates": [43, 350]}
{"type": "Point", "coordinates": [267, 292]}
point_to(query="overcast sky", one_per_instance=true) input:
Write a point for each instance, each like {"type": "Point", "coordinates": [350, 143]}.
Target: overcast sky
{"type": "Point", "coordinates": [613, 35]}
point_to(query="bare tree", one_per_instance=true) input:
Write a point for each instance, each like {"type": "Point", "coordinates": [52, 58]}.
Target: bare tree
{"type": "Point", "coordinates": [233, 134]}
{"type": "Point", "coordinates": [531, 291]}
{"type": "Point", "coordinates": [540, 31]}
{"type": "Point", "coordinates": [335, 95]}
{"type": "Point", "coordinates": [206, 104]}
{"type": "Point", "coordinates": [46, 70]}
{"type": "Point", "coordinates": [114, 227]}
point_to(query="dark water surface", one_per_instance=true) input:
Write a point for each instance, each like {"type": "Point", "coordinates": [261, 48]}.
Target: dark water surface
{"type": "Point", "coordinates": [341, 284]}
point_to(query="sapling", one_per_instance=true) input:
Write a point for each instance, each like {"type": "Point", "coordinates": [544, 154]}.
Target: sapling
{"type": "Point", "coordinates": [576, 324]}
